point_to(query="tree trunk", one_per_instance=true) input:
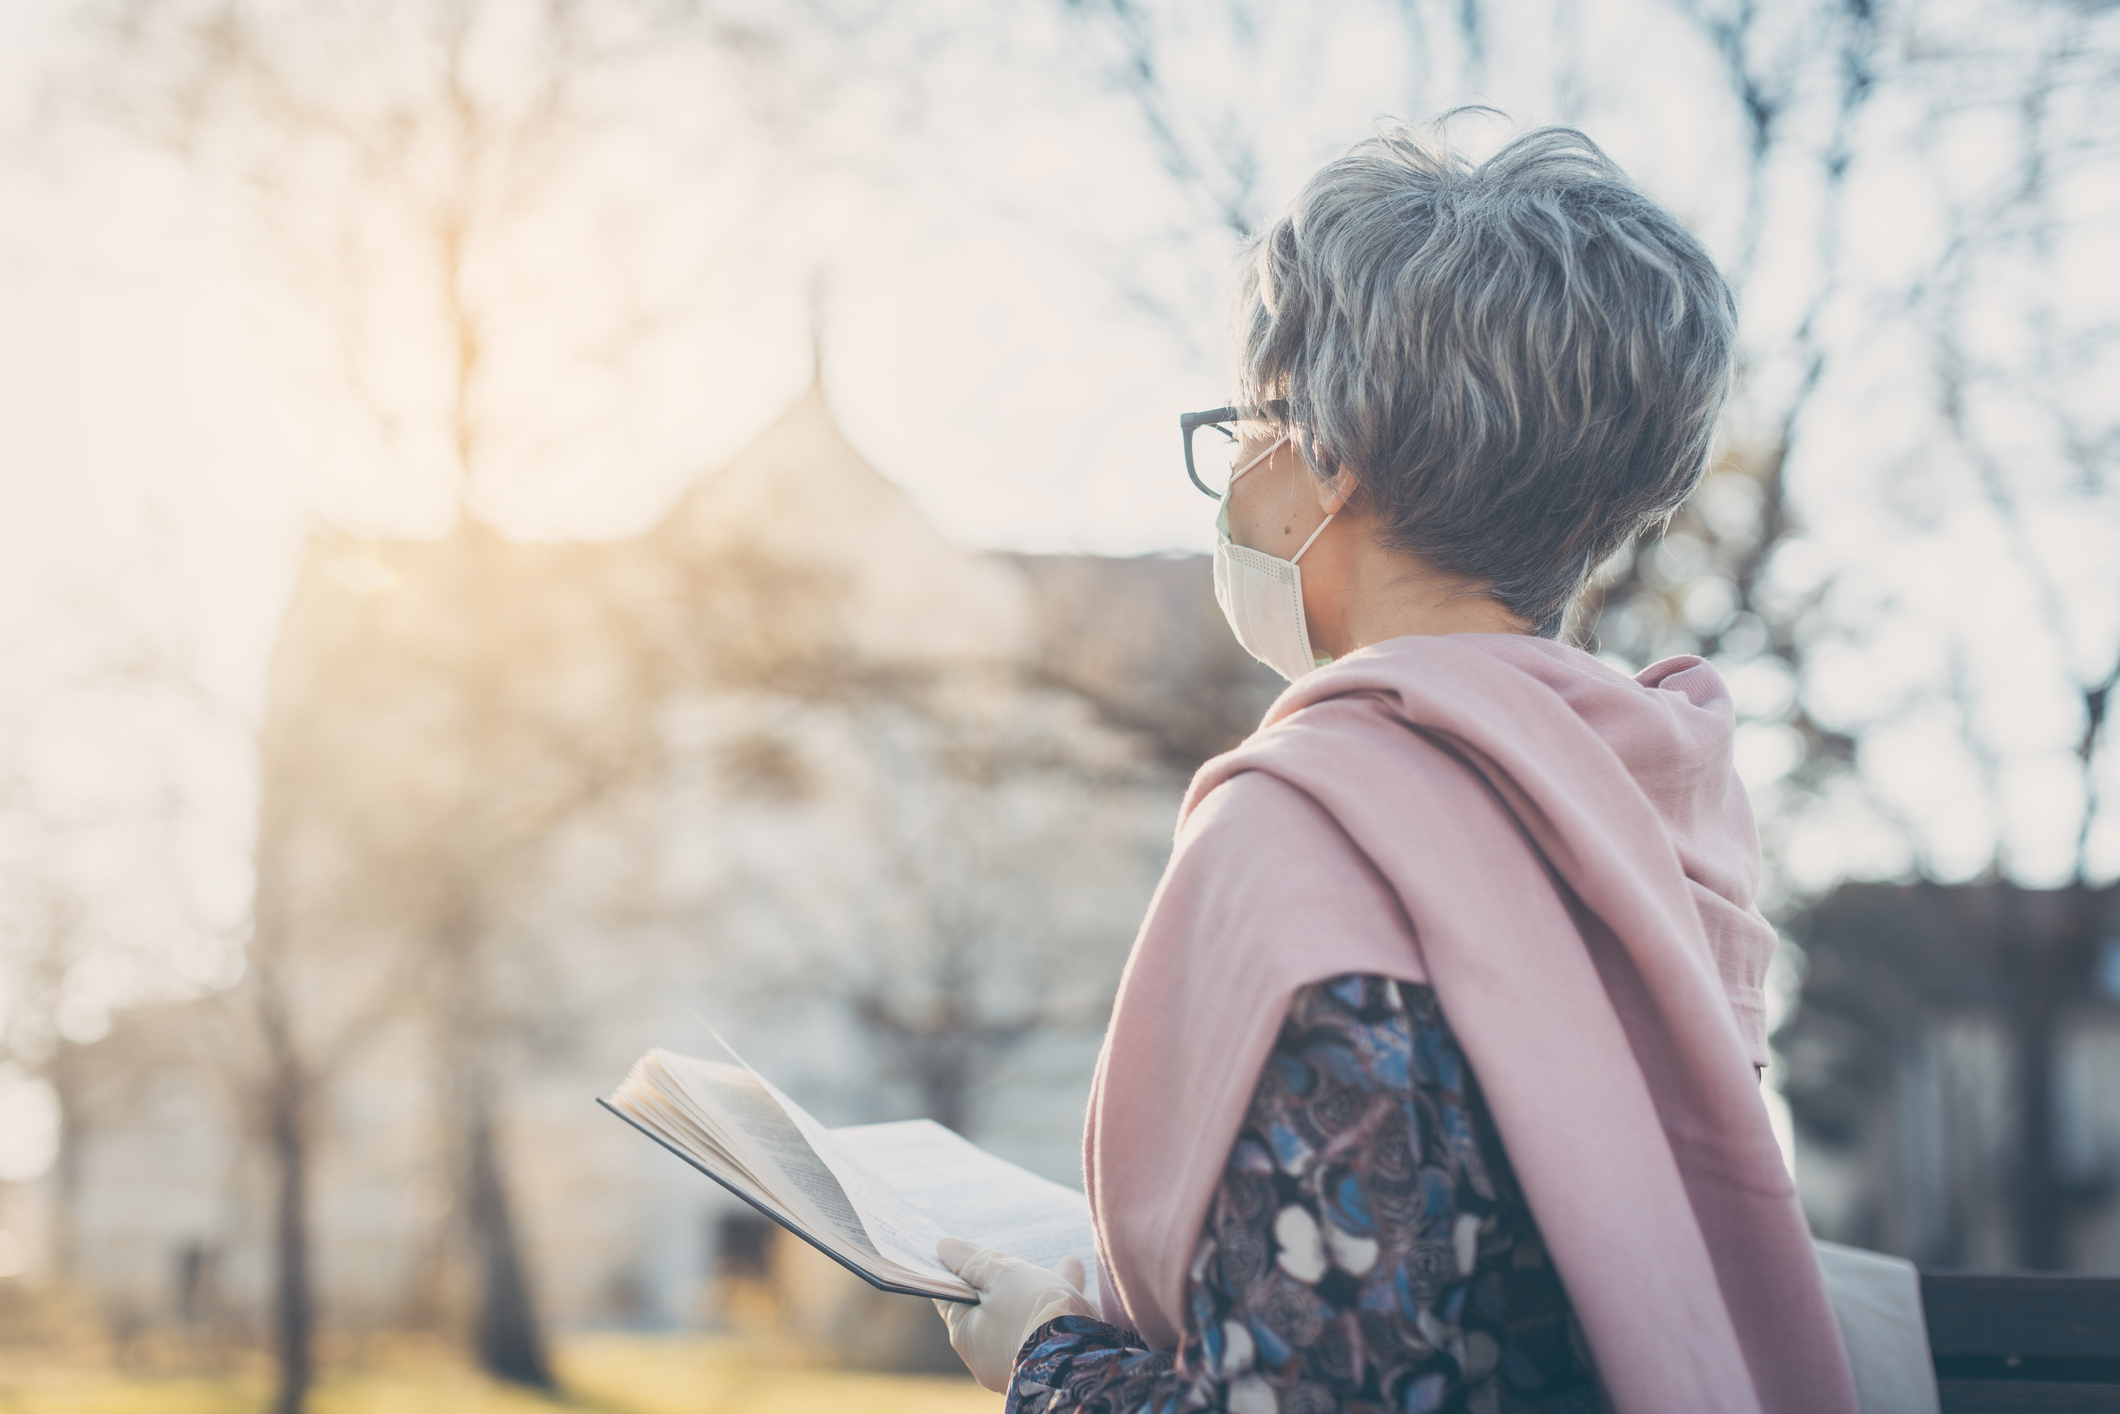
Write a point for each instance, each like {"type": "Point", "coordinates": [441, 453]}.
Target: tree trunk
{"type": "Point", "coordinates": [506, 1338]}
{"type": "Point", "coordinates": [294, 1314]}
{"type": "Point", "coordinates": [66, 1176]}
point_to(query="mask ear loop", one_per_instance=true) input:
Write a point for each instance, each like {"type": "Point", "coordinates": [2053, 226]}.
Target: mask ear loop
{"type": "Point", "coordinates": [1298, 555]}
{"type": "Point", "coordinates": [1259, 458]}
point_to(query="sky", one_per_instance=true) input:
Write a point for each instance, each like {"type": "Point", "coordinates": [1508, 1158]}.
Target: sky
{"type": "Point", "coordinates": [1015, 301]}
{"type": "Point", "coordinates": [980, 345]}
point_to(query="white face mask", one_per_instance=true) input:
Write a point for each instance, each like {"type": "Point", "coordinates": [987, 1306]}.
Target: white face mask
{"type": "Point", "coordinates": [1262, 595]}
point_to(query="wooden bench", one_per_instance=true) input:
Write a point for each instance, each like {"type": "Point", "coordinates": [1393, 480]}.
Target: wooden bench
{"type": "Point", "coordinates": [2014, 1344]}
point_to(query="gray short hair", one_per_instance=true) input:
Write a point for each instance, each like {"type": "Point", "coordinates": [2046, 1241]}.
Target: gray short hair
{"type": "Point", "coordinates": [1521, 360]}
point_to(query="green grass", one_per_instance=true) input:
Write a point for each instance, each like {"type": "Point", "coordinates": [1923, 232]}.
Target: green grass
{"type": "Point", "coordinates": [604, 1374]}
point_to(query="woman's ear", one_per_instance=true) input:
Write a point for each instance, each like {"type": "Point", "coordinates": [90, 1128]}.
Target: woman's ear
{"type": "Point", "coordinates": [1336, 490]}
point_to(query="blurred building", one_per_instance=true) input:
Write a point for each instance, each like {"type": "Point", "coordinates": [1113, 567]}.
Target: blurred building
{"type": "Point", "coordinates": [884, 811]}
{"type": "Point", "coordinates": [1951, 1069]}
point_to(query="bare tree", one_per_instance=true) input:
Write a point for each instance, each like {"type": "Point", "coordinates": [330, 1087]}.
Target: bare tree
{"type": "Point", "coordinates": [1706, 583]}
{"type": "Point", "coordinates": [424, 747]}
{"type": "Point", "coordinates": [49, 932]}
{"type": "Point", "coordinates": [95, 913]}
{"type": "Point", "coordinates": [947, 853]}
{"type": "Point", "coordinates": [988, 892]}
{"type": "Point", "coordinates": [1735, 576]}
{"type": "Point", "coordinates": [403, 163]}
{"type": "Point", "coordinates": [2039, 439]}
{"type": "Point", "coordinates": [304, 1012]}
{"type": "Point", "coordinates": [987, 953]}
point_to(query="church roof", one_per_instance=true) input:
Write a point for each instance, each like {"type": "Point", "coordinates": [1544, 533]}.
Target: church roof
{"type": "Point", "coordinates": [802, 498]}
{"type": "Point", "coordinates": [796, 538]}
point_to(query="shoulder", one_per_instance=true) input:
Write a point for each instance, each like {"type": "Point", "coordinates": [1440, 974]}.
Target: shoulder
{"type": "Point", "coordinates": [1256, 813]}
{"type": "Point", "coordinates": [1256, 801]}
{"type": "Point", "coordinates": [1262, 848]}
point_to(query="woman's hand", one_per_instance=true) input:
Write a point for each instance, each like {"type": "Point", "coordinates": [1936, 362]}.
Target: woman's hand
{"type": "Point", "coordinates": [1015, 1298]}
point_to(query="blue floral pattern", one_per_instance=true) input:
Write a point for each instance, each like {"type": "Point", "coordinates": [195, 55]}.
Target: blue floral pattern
{"type": "Point", "coordinates": [1367, 1249]}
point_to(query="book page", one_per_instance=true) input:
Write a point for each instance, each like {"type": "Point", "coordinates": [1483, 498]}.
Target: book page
{"type": "Point", "coordinates": [902, 1231]}
{"type": "Point", "coordinates": [969, 1193]}
{"type": "Point", "coordinates": [886, 1193]}
{"type": "Point", "coordinates": [749, 1104]}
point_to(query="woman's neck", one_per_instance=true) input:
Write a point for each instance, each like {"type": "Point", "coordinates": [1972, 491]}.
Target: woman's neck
{"type": "Point", "coordinates": [1357, 592]}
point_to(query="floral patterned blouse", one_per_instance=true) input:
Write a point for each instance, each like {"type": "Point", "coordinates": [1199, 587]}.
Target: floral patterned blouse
{"type": "Point", "coordinates": [1367, 1249]}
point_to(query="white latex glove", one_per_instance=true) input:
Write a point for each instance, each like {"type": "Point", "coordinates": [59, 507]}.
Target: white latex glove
{"type": "Point", "coordinates": [1015, 1298]}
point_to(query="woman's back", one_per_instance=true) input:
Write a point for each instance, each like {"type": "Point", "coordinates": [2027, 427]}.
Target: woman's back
{"type": "Point", "coordinates": [1460, 388]}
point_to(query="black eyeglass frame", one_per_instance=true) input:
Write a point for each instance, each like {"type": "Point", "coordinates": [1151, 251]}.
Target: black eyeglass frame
{"type": "Point", "coordinates": [1191, 422]}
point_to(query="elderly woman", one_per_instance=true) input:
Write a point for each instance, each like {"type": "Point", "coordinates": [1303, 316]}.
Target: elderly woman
{"type": "Point", "coordinates": [1432, 1079]}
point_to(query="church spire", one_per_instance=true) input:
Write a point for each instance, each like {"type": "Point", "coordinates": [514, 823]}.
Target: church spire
{"type": "Point", "coordinates": [818, 283]}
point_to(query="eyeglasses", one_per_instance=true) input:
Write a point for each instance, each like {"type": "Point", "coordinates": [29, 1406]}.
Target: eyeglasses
{"type": "Point", "coordinates": [1218, 458]}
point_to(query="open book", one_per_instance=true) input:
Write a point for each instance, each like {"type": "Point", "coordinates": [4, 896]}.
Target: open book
{"type": "Point", "coordinates": [874, 1197]}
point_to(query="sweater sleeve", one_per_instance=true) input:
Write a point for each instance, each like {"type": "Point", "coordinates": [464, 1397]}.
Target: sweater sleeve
{"type": "Point", "coordinates": [1366, 1247]}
